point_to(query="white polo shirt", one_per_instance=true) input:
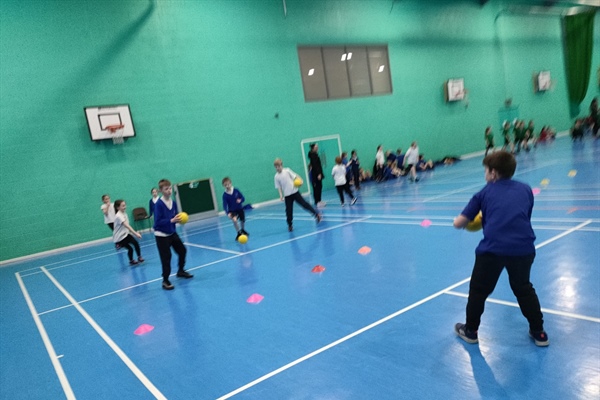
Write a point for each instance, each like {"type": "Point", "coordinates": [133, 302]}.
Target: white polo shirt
{"type": "Point", "coordinates": [284, 180]}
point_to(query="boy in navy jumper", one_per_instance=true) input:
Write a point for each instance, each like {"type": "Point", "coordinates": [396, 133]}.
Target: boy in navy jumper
{"type": "Point", "coordinates": [233, 201]}
{"type": "Point", "coordinates": [165, 218]}
{"type": "Point", "coordinates": [508, 238]}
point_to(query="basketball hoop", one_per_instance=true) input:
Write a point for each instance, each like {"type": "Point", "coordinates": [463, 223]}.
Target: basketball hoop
{"type": "Point", "coordinates": [117, 133]}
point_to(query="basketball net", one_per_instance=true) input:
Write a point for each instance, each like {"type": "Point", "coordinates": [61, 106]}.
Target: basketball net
{"type": "Point", "coordinates": [117, 133]}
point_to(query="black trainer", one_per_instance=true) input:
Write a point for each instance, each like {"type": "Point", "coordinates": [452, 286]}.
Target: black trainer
{"type": "Point", "coordinates": [184, 274]}
{"type": "Point", "coordinates": [540, 338]}
{"type": "Point", "coordinates": [245, 233]}
{"type": "Point", "coordinates": [238, 235]}
{"type": "Point", "coordinates": [319, 217]}
{"type": "Point", "coordinates": [167, 285]}
{"type": "Point", "coordinates": [133, 262]}
{"type": "Point", "coordinates": [290, 228]}
{"type": "Point", "coordinates": [465, 334]}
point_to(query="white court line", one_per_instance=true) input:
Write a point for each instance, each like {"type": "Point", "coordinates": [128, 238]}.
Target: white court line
{"type": "Point", "coordinates": [374, 324]}
{"type": "Point", "coordinates": [136, 371]}
{"type": "Point", "coordinates": [212, 248]}
{"type": "Point", "coordinates": [544, 310]}
{"type": "Point", "coordinates": [53, 357]}
{"type": "Point", "coordinates": [483, 183]}
{"type": "Point", "coordinates": [345, 338]}
{"type": "Point", "coordinates": [306, 235]}
{"type": "Point", "coordinates": [201, 266]}
{"type": "Point", "coordinates": [563, 234]}
{"type": "Point", "coordinates": [76, 262]}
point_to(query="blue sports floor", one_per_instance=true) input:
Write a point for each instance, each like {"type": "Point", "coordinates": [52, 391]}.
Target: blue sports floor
{"type": "Point", "coordinates": [373, 326]}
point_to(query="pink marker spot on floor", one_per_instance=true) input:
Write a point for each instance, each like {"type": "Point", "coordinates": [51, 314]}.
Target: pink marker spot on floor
{"type": "Point", "coordinates": [535, 191]}
{"type": "Point", "coordinates": [318, 268]}
{"type": "Point", "coordinates": [255, 298]}
{"type": "Point", "coordinates": [426, 223]}
{"type": "Point", "coordinates": [364, 250]}
{"type": "Point", "coordinates": [143, 329]}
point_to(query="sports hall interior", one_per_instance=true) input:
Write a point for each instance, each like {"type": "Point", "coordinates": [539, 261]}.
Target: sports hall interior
{"type": "Point", "coordinates": [216, 88]}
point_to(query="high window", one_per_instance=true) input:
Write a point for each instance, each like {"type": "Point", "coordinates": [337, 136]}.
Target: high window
{"type": "Point", "coordinates": [337, 72]}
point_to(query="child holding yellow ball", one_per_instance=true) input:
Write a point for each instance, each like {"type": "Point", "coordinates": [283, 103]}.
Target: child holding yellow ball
{"type": "Point", "coordinates": [508, 242]}
{"type": "Point", "coordinates": [165, 218]}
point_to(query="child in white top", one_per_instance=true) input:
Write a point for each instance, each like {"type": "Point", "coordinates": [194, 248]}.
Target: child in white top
{"type": "Point", "coordinates": [341, 184]}
{"type": "Point", "coordinates": [122, 234]}
{"type": "Point", "coordinates": [284, 183]}
{"type": "Point", "coordinates": [108, 210]}
{"type": "Point", "coordinates": [411, 158]}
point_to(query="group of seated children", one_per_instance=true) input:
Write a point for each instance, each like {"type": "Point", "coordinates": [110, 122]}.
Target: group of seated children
{"type": "Point", "coordinates": [400, 164]}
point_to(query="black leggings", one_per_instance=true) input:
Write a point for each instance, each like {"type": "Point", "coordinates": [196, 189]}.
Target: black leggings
{"type": "Point", "coordinates": [289, 206]}
{"type": "Point", "coordinates": [344, 188]}
{"type": "Point", "coordinates": [127, 242]}
{"type": "Point", "coordinates": [486, 271]}
{"type": "Point", "coordinates": [317, 188]}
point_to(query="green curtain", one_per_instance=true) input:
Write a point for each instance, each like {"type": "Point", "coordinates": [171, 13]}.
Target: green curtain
{"type": "Point", "coordinates": [578, 44]}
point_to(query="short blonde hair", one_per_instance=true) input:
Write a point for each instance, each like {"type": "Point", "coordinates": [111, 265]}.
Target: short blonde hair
{"type": "Point", "coordinates": [277, 162]}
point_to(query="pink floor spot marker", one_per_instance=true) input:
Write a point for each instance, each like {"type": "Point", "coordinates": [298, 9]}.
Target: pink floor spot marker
{"type": "Point", "coordinates": [426, 223]}
{"type": "Point", "coordinates": [364, 250]}
{"type": "Point", "coordinates": [535, 191]}
{"type": "Point", "coordinates": [318, 268]}
{"type": "Point", "coordinates": [143, 329]}
{"type": "Point", "coordinates": [255, 298]}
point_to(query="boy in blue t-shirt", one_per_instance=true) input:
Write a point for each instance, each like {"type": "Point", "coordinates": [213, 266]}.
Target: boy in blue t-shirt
{"type": "Point", "coordinates": [233, 207]}
{"type": "Point", "coordinates": [508, 238]}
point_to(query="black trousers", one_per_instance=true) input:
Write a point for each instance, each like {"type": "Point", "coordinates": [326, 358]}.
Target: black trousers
{"type": "Point", "coordinates": [127, 243]}
{"type": "Point", "coordinates": [344, 188]}
{"type": "Point", "coordinates": [356, 177]}
{"type": "Point", "coordinates": [486, 271]}
{"type": "Point", "coordinates": [164, 244]}
{"type": "Point", "coordinates": [317, 185]}
{"type": "Point", "coordinates": [289, 206]}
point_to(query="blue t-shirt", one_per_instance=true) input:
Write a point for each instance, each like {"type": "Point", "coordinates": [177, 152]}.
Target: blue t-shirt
{"type": "Point", "coordinates": [506, 207]}
{"type": "Point", "coordinates": [230, 201]}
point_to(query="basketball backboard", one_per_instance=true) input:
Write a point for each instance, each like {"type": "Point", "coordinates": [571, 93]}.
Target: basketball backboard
{"type": "Point", "coordinates": [101, 117]}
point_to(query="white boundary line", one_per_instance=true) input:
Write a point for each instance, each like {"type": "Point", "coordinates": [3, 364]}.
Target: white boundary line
{"type": "Point", "coordinates": [544, 310]}
{"type": "Point", "coordinates": [373, 325]}
{"type": "Point", "coordinates": [564, 234]}
{"type": "Point", "coordinates": [345, 338]}
{"type": "Point", "coordinates": [483, 184]}
{"type": "Point", "coordinates": [206, 265]}
{"type": "Point", "coordinates": [136, 371]}
{"type": "Point", "coordinates": [212, 248]}
{"type": "Point", "coordinates": [53, 357]}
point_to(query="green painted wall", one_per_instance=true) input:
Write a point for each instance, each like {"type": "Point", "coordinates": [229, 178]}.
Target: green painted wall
{"type": "Point", "coordinates": [205, 79]}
